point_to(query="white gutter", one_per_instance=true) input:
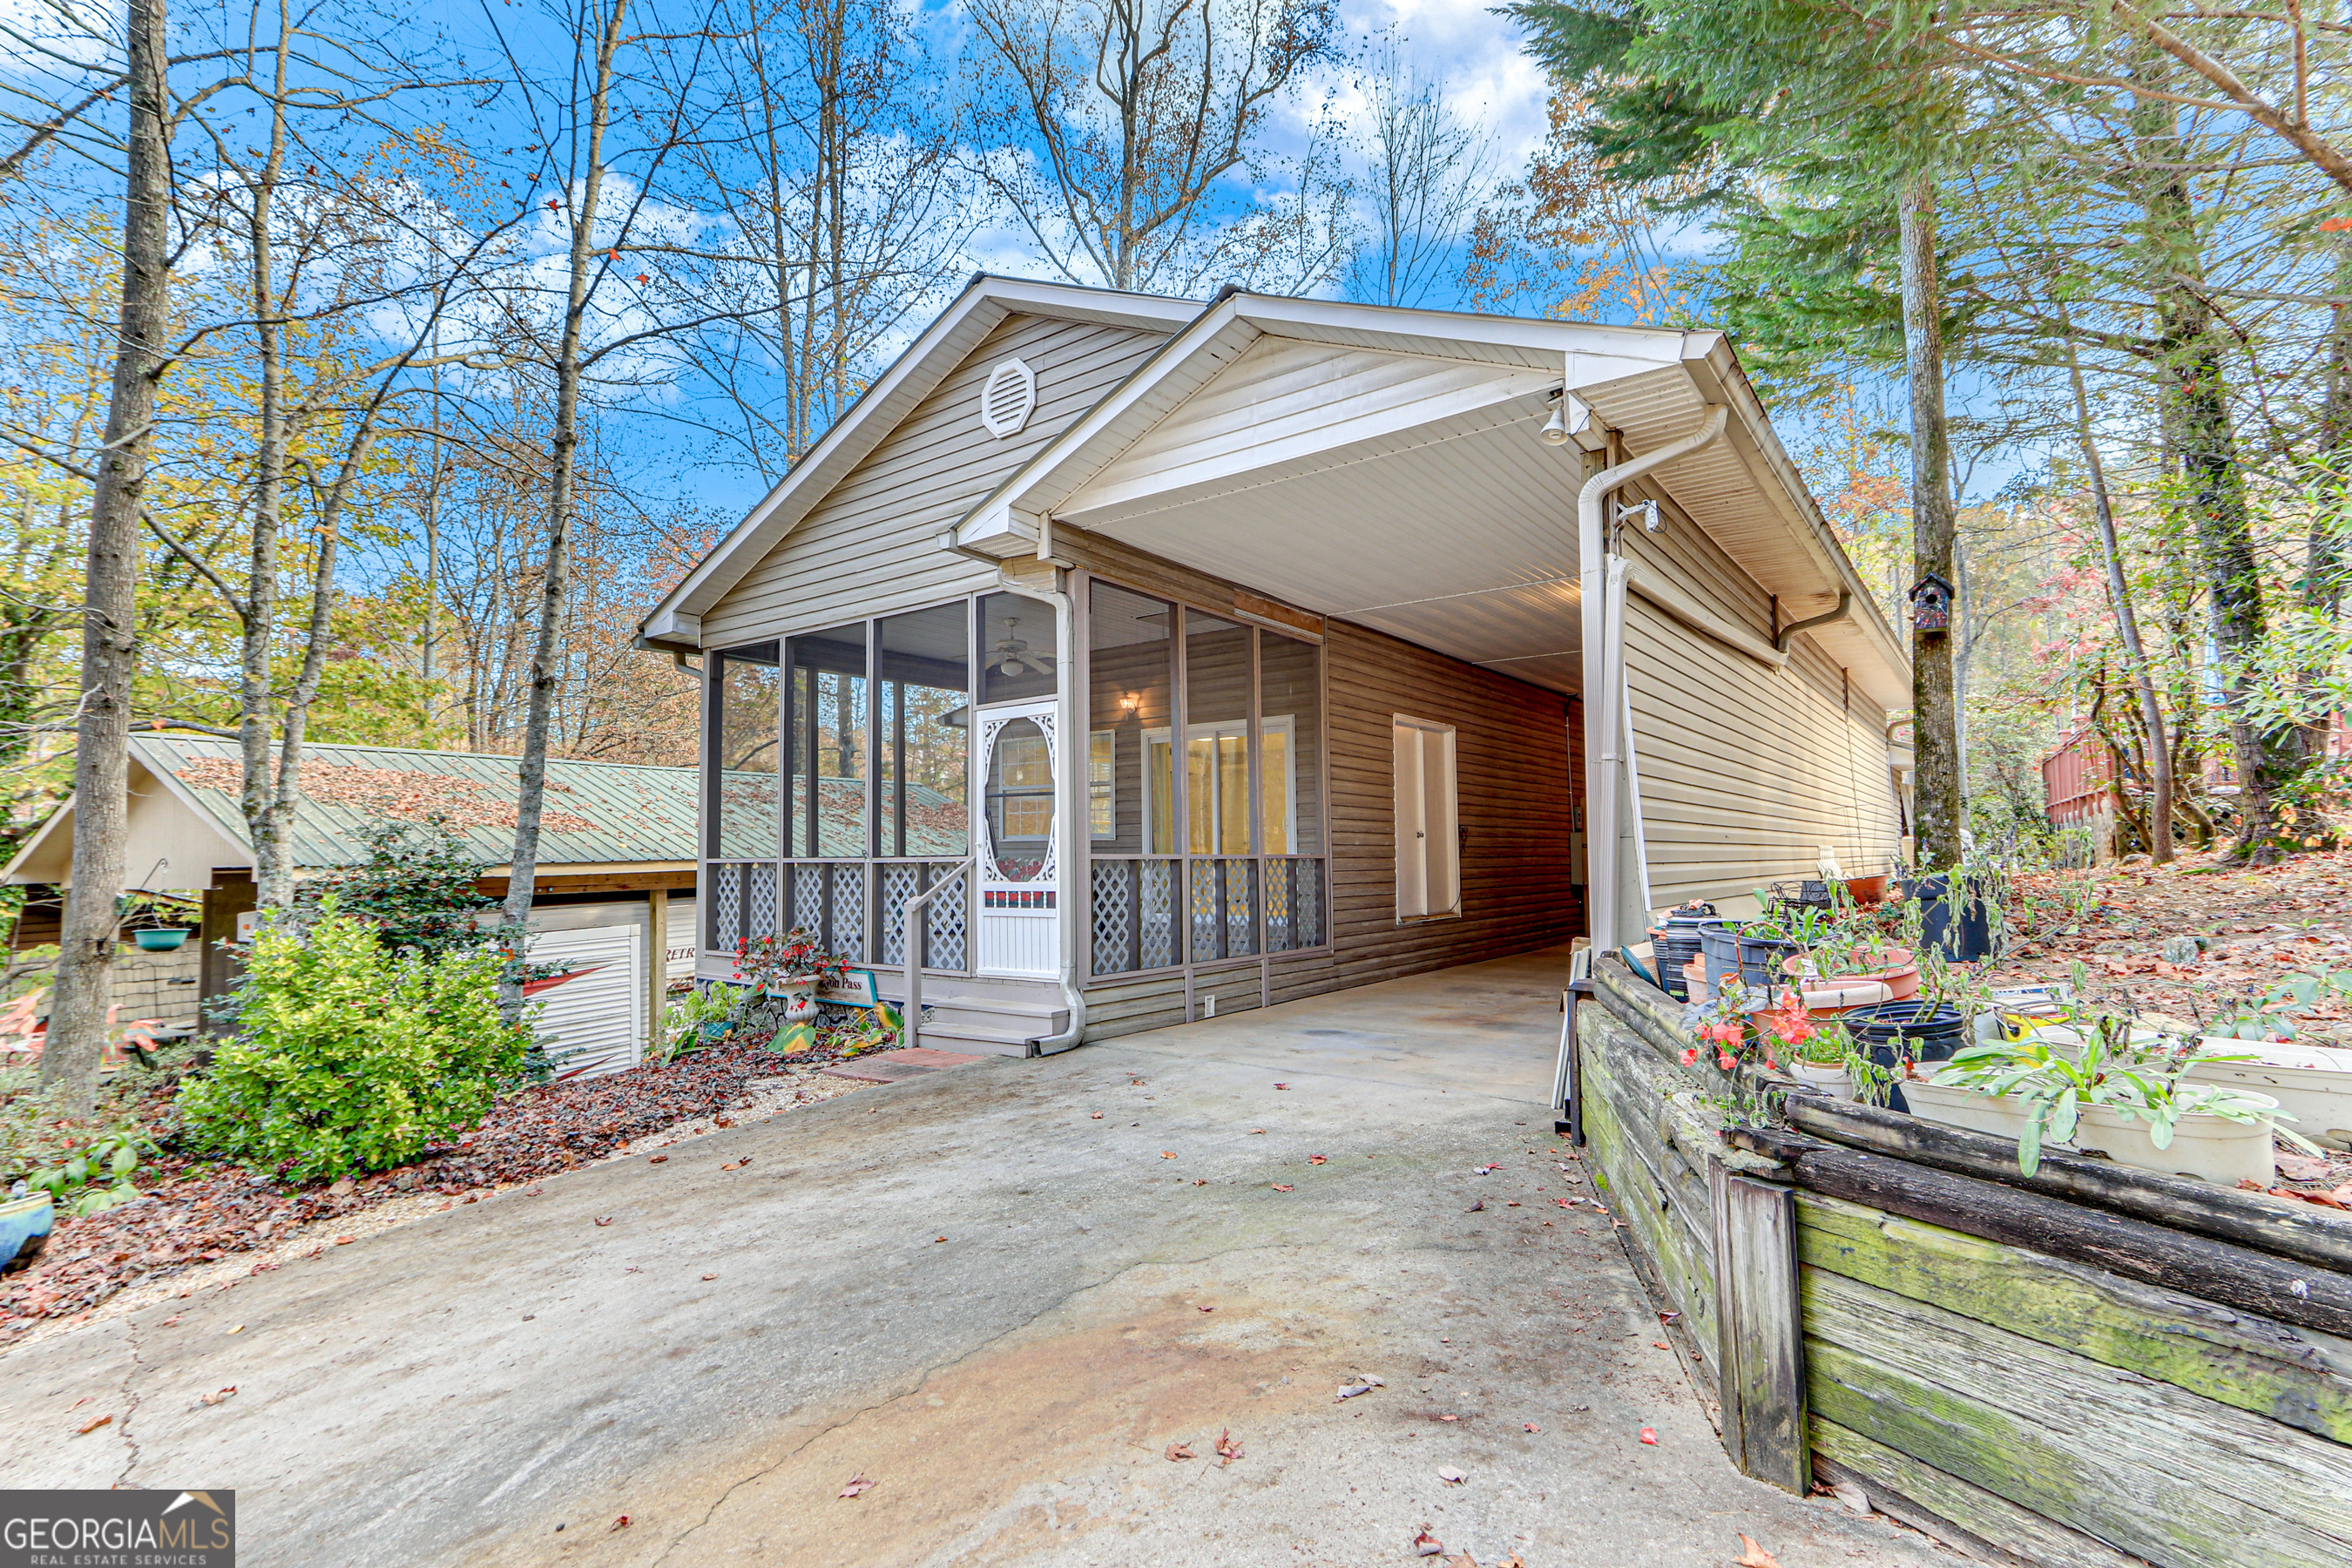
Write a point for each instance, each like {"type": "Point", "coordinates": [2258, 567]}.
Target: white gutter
{"type": "Point", "coordinates": [1604, 679]}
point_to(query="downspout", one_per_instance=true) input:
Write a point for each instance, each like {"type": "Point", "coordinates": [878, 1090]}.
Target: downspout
{"type": "Point", "coordinates": [1604, 677]}
{"type": "Point", "coordinates": [1788, 632]}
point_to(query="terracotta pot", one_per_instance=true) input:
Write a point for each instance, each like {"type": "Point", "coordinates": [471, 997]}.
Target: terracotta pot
{"type": "Point", "coordinates": [1695, 980]}
{"type": "Point", "coordinates": [1893, 977]}
{"type": "Point", "coordinates": [1867, 889]}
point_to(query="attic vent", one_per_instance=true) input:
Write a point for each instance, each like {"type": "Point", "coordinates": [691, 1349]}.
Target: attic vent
{"type": "Point", "coordinates": [1008, 399]}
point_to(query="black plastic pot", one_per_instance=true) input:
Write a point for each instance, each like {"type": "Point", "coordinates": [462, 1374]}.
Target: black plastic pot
{"type": "Point", "coordinates": [1676, 942]}
{"type": "Point", "coordinates": [1959, 923]}
{"type": "Point", "coordinates": [1896, 1032]}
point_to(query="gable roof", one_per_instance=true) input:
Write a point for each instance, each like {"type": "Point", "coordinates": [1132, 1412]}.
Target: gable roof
{"type": "Point", "coordinates": [979, 311]}
{"type": "Point", "coordinates": [596, 814]}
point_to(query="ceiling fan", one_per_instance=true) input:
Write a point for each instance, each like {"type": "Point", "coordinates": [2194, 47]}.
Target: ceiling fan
{"type": "Point", "coordinates": [1011, 656]}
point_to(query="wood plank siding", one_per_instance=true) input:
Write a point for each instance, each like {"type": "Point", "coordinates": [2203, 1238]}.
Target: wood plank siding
{"type": "Point", "coordinates": [871, 546]}
{"type": "Point", "coordinates": [1519, 765]}
{"type": "Point", "coordinates": [1747, 772]}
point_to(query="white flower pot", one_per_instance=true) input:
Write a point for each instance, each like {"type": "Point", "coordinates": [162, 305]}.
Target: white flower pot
{"type": "Point", "coordinates": [2311, 1083]}
{"type": "Point", "coordinates": [1973, 1110]}
{"type": "Point", "coordinates": [799, 997]}
{"type": "Point", "coordinates": [2211, 1147]}
{"type": "Point", "coordinates": [1830, 1078]}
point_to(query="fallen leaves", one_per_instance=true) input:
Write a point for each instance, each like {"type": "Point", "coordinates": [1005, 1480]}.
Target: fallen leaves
{"type": "Point", "coordinates": [1282, 1086]}
{"type": "Point", "coordinates": [1476, 1207]}
{"type": "Point", "coordinates": [1165, 1155]}
{"type": "Point", "coordinates": [1317, 1160]}
{"type": "Point", "coordinates": [1280, 1189]}
{"type": "Point", "coordinates": [621, 1523]}
{"type": "Point", "coordinates": [1427, 1545]}
{"type": "Point", "coordinates": [1452, 1476]}
{"type": "Point", "coordinates": [708, 1277]}
{"type": "Point", "coordinates": [1227, 1449]}
{"type": "Point", "coordinates": [656, 1159]}
{"type": "Point", "coordinates": [1254, 1131]}
{"type": "Point", "coordinates": [1180, 1451]}
{"type": "Point", "coordinates": [936, 1239]}
{"type": "Point", "coordinates": [1098, 1116]}
{"type": "Point", "coordinates": [228, 1392]}
{"type": "Point", "coordinates": [1650, 1435]}
{"type": "Point", "coordinates": [1200, 1181]}
{"type": "Point", "coordinates": [1531, 1427]}
{"type": "Point", "coordinates": [858, 1485]}
{"type": "Point", "coordinates": [239, 1329]}
{"type": "Point", "coordinates": [1754, 1556]}
{"type": "Point", "coordinates": [603, 1219]}
{"type": "Point", "coordinates": [93, 1423]}
{"type": "Point", "coordinates": [1362, 1386]}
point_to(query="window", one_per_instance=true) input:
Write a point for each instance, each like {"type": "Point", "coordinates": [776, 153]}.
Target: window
{"type": "Point", "coordinates": [925, 718]}
{"type": "Point", "coordinates": [1020, 800]}
{"type": "Point", "coordinates": [1428, 845]}
{"type": "Point", "coordinates": [1018, 649]}
{"type": "Point", "coordinates": [1102, 781]}
{"type": "Point", "coordinates": [743, 818]}
{"type": "Point", "coordinates": [1217, 782]}
{"type": "Point", "coordinates": [825, 734]}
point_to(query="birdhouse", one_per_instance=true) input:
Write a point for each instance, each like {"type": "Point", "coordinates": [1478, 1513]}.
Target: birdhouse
{"type": "Point", "coordinates": [1931, 605]}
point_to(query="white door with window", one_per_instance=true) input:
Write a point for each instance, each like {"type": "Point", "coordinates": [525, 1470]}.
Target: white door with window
{"type": "Point", "coordinates": [1017, 761]}
{"type": "Point", "coordinates": [1428, 817]}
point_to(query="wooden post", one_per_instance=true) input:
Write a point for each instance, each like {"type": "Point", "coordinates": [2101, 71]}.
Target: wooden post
{"type": "Point", "coordinates": [1760, 1325]}
{"type": "Point", "coordinates": [657, 969]}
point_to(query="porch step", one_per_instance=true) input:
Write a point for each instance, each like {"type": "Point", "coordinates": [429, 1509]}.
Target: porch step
{"type": "Point", "coordinates": [974, 1038]}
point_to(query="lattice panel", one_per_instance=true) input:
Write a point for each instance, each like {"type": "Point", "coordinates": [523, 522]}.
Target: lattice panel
{"type": "Point", "coordinates": [1158, 944]}
{"type": "Point", "coordinates": [1281, 935]}
{"type": "Point", "coordinates": [808, 898]}
{"type": "Point", "coordinates": [760, 900]}
{"type": "Point", "coordinates": [1307, 893]}
{"type": "Point", "coordinates": [1114, 916]}
{"type": "Point", "coordinates": [847, 936]}
{"type": "Point", "coordinates": [899, 890]}
{"type": "Point", "coordinates": [1241, 915]}
{"type": "Point", "coordinates": [726, 907]}
{"type": "Point", "coordinates": [948, 925]}
{"type": "Point", "coordinates": [1206, 907]}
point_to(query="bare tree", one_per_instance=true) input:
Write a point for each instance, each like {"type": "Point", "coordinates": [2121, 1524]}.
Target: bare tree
{"type": "Point", "coordinates": [78, 1017]}
{"type": "Point", "coordinates": [1120, 124]}
{"type": "Point", "coordinates": [1427, 174]}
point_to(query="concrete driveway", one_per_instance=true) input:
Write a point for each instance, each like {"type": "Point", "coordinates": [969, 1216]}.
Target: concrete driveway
{"type": "Point", "coordinates": [999, 1293]}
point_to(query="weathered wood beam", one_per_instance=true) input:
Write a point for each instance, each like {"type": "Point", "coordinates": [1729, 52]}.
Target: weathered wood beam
{"type": "Point", "coordinates": [1762, 1350]}
{"type": "Point", "coordinates": [2176, 1260]}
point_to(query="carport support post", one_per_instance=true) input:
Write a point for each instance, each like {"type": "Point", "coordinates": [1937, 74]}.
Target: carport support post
{"type": "Point", "coordinates": [1760, 1323]}
{"type": "Point", "coordinates": [657, 969]}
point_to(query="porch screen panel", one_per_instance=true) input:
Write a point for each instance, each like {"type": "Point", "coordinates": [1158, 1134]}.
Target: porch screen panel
{"type": "Point", "coordinates": [1216, 736]}
{"type": "Point", "coordinates": [827, 734]}
{"type": "Point", "coordinates": [923, 732]}
{"type": "Point", "coordinates": [743, 816]}
{"type": "Point", "coordinates": [1131, 782]}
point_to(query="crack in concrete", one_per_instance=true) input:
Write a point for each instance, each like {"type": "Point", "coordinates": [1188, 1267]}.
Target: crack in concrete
{"type": "Point", "coordinates": [927, 1373]}
{"type": "Point", "coordinates": [131, 1392]}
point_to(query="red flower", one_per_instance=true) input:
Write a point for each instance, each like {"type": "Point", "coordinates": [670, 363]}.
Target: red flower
{"type": "Point", "coordinates": [1690, 1056]}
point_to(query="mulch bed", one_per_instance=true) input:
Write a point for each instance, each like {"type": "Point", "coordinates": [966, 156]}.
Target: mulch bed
{"type": "Point", "coordinates": [187, 1219]}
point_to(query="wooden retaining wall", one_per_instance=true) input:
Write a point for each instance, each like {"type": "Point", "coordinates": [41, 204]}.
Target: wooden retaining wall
{"type": "Point", "coordinates": [2091, 1367]}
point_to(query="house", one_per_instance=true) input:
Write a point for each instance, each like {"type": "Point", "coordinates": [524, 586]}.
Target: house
{"type": "Point", "coordinates": [613, 892]}
{"type": "Point", "coordinates": [1251, 649]}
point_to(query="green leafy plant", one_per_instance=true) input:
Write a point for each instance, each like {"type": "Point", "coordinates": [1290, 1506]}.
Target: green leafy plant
{"type": "Point", "coordinates": [683, 1020]}
{"type": "Point", "coordinates": [414, 886]}
{"type": "Point", "coordinates": [84, 1163]}
{"type": "Point", "coordinates": [2057, 1077]}
{"type": "Point", "coordinates": [2278, 1011]}
{"type": "Point", "coordinates": [351, 1056]}
{"type": "Point", "coordinates": [766, 963]}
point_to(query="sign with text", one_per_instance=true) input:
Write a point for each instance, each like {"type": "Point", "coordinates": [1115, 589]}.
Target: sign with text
{"type": "Point", "coordinates": [117, 1528]}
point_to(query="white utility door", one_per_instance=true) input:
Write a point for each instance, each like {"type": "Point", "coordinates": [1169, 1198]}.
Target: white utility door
{"type": "Point", "coordinates": [1017, 760]}
{"type": "Point", "coordinates": [592, 1013]}
{"type": "Point", "coordinates": [1428, 848]}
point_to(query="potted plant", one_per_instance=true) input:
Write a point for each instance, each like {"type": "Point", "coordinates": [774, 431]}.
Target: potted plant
{"type": "Point", "coordinates": [791, 969]}
{"type": "Point", "coordinates": [2130, 1102]}
{"type": "Point", "coordinates": [1838, 976]}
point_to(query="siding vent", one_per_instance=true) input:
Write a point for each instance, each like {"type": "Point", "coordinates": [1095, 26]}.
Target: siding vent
{"type": "Point", "coordinates": [1009, 398]}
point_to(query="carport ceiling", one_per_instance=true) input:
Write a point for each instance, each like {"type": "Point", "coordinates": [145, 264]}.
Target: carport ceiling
{"type": "Point", "coordinates": [1459, 535]}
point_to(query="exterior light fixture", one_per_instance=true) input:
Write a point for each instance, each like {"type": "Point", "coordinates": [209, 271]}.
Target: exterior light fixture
{"type": "Point", "coordinates": [1555, 430]}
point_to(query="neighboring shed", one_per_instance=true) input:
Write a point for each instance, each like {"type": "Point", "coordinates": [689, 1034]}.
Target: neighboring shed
{"type": "Point", "coordinates": [616, 851]}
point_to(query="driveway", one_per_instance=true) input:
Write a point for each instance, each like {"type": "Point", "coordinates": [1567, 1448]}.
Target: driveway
{"type": "Point", "coordinates": [999, 1293]}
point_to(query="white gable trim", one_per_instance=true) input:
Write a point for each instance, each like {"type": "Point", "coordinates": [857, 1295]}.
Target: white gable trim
{"type": "Point", "coordinates": [943, 345]}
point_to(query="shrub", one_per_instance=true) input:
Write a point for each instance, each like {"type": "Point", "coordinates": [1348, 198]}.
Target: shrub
{"type": "Point", "coordinates": [415, 886]}
{"type": "Point", "coordinates": [349, 1056]}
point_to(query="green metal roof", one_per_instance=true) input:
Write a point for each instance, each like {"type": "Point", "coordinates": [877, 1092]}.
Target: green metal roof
{"type": "Point", "coordinates": [596, 812]}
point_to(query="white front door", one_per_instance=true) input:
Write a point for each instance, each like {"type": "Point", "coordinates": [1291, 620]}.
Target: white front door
{"type": "Point", "coordinates": [1017, 758]}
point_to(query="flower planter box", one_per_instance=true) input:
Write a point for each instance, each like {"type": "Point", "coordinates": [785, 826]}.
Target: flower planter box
{"type": "Point", "coordinates": [2211, 1148]}
{"type": "Point", "coordinates": [2311, 1083]}
{"type": "Point", "coordinates": [1831, 1080]}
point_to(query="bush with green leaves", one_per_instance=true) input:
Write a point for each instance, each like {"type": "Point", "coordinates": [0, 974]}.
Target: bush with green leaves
{"type": "Point", "coordinates": [351, 1055]}
{"type": "Point", "coordinates": [84, 1163]}
{"type": "Point", "coordinates": [416, 887]}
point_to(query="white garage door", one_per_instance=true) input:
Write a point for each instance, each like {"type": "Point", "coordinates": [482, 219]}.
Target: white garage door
{"type": "Point", "coordinates": [591, 1015]}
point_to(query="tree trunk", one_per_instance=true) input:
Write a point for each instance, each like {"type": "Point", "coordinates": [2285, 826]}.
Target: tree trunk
{"type": "Point", "coordinates": [545, 674]}
{"type": "Point", "coordinates": [1935, 533]}
{"type": "Point", "coordinates": [78, 1023]}
{"type": "Point", "coordinates": [2323, 568]}
{"type": "Point", "coordinates": [2143, 679]}
{"type": "Point", "coordinates": [273, 870]}
{"type": "Point", "coordinates": [2201, 438]}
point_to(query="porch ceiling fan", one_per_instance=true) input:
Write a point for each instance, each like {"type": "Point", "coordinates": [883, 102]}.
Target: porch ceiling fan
{"type": "Point", "coordinates": [1013, 655]}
